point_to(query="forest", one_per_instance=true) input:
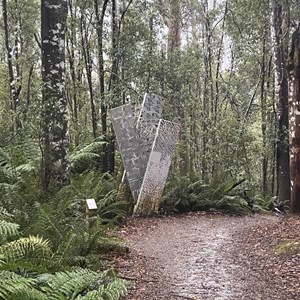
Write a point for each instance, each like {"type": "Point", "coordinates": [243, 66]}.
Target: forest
{"type": "Point", "coordinates": [229, 73]}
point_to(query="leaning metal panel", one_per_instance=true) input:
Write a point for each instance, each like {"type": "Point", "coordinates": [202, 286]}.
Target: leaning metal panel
{"type": "Point", "coordinates": [157, 169]}
{"type": "Point", "coordinates": [147, 122]}
{"type": "Point", "coordinates": [123, 121]}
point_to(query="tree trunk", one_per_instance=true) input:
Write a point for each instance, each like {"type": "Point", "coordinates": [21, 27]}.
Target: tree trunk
{"type": "Point", "coordinates": [88, 67]}
{"type": "Point", "coordinates": [208, 90]}
{"type": "Point", "coordinates": [263, 102]}
{"type": "Point", "coordinates": [14, 91]}
{"type": "Point", "coordinates": [294, 121]}
{"type": "Point", "coordinates": [174, 26]}
{"type": "Point", "coordinates": [99, 30]}
{"type": "Point", "coordinates": [281, 97]}
{"type": "Point", "coordinates": [113, 83]}
{"type": "Point", "coordinates": [71, 56]}
{"type": "Point", "coordinates": [54, 102]}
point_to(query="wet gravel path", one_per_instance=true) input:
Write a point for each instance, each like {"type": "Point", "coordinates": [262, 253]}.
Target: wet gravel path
{"type": "Point", "coordinates": [195, 256]}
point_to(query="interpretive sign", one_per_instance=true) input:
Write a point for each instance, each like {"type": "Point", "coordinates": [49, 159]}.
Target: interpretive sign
{"type": "Point", "coordinates": [91, 204]}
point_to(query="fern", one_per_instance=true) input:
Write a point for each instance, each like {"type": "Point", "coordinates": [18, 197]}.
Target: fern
{"type": "Point", "coordinates": [4, 213]}
{"type": "Point", "coordinates": [84, 158]}
{"type": "Point", "coordinates": [78, 283]}
{"type": "Point", "coordinates": [184, 194]}
{"type": "Point", "coordinates": [16, 287]}
{"type": "Point", "coordinates": [4, 158]}
{"type": "Point", "coordinates": [8, 229]}
{"type": "Point", "coordinates": [28, 247]}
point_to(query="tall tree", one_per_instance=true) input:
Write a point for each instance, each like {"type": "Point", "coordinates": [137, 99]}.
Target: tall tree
{"type": "Point", "coordinates": [279, 29]}
{"type": "Point", "coordinates": [86, 49]}
{"type": "Point", "coordinates": [54, 102]}
{"type": "Point", "coordinates": [99, 16]}
{"type": "Point", "coordinates": [12, 54]}
{"type": "Point", "coordinates": [294, 119]}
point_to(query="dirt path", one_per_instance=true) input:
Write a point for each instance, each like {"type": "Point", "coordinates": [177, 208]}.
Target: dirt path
{"type": "Point", "coordinates": [196, 256]}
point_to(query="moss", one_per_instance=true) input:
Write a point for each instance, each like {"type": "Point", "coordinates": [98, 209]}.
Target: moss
{"type": "Point", "coordinates": [288, 247]}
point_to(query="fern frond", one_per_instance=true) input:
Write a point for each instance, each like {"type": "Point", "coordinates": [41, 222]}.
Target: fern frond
{"type": "Point", "coordinates": [65, 250]}
{"type": "Point", "coordinates": [4, 158]}
{"type": "Point", "coordinates": [13, 286]}
{"type": "Point", "coordinates": [81, 159]}
{"type": "Point", "coordinates": [82, 284]}
{"type": "Point", "coordinates": [27, 167]}
{"type": "Point", "coordinates": [4, 213]}
{"type": "Point", "coordinates": [8, 229]}
{"type": "Point", "coordinates": [47, 221]}
{"type": "Point", "coordinates": [112, 291]}
{"type": "Point", "coordinates": [28, 247]}
{"type": "Point", "coordinates": [68, 284]}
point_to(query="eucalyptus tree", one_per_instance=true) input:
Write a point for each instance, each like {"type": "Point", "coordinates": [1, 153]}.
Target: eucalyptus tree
{"type": "Point", "coordinates": [280, 32]}
{"type": "Point", "coordinates": [294, 120]}
{"type": "Point", "coordinates": [54, 102]}
{"type": "Point", "coordinates": [14, 91]}
{"type": "Point", "coordinates": [250, 89]}
{"type": "Point", "coordinates": [20, 65]}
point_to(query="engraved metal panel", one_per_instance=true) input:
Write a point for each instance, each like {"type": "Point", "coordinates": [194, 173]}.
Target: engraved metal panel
{"type": "Point", "coordinates": [146, 124]}
{"type": "Point", "coordinates": [124, 123]}
{"type": "Point", "coordinates": [167, 134]}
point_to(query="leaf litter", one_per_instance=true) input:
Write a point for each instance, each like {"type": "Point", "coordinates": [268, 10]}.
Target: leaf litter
{"type": "Point", "coordinates": [211, 256]}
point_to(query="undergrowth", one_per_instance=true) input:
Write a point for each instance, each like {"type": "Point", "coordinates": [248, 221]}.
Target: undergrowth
{"type": "Point", "coordinates": [183, 194]}
{"type": "Point", "coordinates": [50, 247]}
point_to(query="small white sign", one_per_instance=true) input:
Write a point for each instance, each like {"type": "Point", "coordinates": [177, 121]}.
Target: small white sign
{"type": "Point", "coordinates": [91, 204]}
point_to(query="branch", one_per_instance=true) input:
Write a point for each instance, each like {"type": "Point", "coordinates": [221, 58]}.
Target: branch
{"type": "Point", "coordinates": [253, 96]}
{"type": "Point", "coordinates": [123, 15]}
{"type": "Point", "coordinates": [37, 39]}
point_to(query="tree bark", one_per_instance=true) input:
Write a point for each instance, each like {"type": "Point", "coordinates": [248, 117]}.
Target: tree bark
{"type": "Point", "coordinates": [14, 91]}
{"type": "Point", "coordinates": [88, 67]}
{"type": "Point", "coordinates": [71, 57]}
{"type": "Point", "coordinates": [294, 121]}
{"type": "Point", "coordinates": [281, 97]}
{"type": "Point", "coordinates": [99, 30]}
{"type": "Point", "coordinates": [54, 102]}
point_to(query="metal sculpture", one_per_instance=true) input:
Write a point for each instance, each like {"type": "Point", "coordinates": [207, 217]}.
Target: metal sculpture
{"type": "Point", "coordinates": [147, 144]}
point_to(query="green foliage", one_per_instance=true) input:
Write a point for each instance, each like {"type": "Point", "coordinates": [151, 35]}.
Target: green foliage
{"type": "Point", "coordinates": [186, 194]}
{"type": "Point", "coordinates": [74, 284]}
{"type": "Point", "coordinates": [86, 157]}
{"type": "Point", "coordinates": [8, 229]}
{"type": "Point", "coordinates": [77, 237]}
{"type": "Point", "coordinates": [22, 259]}
{"type": "Point", "coordinates": [28, 247]}
{"type": "Point", "coordinates": [14, 286]}
{"type": "Point", "coordinates": [81, 283]}
{"type": "Point", "coordinates": [70, 236]}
